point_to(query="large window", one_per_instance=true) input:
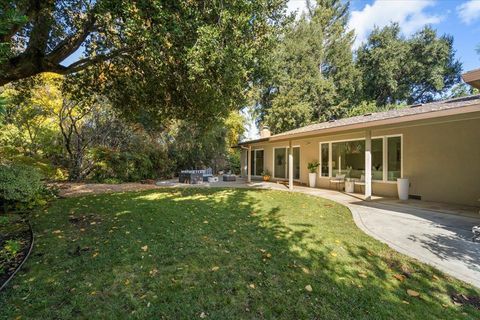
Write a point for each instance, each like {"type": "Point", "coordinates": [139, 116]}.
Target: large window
{"type": "Point", "coordinates": [280, 165]}
{"type": "Point", "coordinates": [324, 168]}
{"type": "Point", "coordinates": [256, 162]}
{"type": "Point", "coordinates": [348, 157]}
{"type": "Point", "coordinates": [394, 157]}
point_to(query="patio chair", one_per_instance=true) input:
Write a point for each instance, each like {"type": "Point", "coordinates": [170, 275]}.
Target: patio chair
{"type": "Point", "coordinates": [337, 181]}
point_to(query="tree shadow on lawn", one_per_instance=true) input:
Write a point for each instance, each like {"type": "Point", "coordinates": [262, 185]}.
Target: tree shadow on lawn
{"type": "Point", "coordinates": [219, 253]}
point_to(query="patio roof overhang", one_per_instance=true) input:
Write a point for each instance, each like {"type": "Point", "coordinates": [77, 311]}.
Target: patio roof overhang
{"type": "Point", "coordinates": [369, 122]}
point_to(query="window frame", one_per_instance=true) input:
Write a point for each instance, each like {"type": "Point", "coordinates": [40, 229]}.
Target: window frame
{"type": "Point", "coordinates": [384, 156]}
{"type": "Point", "coordinates": [254, 168]}
{"type": "Point", "coordinates": [286, 166]}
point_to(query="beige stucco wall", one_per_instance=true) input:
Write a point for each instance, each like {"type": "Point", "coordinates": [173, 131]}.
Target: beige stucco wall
{"type": "Point", "coordinates": [441, 158]}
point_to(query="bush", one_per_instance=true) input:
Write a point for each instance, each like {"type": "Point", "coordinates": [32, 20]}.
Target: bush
{"type": "Point", "coordinates": [21, 186]}
{"type": "Point", "coordinates": [234, 162]}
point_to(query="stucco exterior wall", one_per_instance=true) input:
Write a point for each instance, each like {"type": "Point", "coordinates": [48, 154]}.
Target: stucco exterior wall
{"type": "Point", "coordinates": [441, 158]}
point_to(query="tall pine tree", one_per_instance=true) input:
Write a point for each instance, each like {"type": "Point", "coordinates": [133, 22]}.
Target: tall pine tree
{"type": "Point", "coordinates": [314, 76]}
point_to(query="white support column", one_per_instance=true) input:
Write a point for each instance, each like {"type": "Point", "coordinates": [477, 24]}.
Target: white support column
{"type": "Point", "coordinates": [368, 165]}
{"type": "Point", "coordinates": [290, 165]}
{"type": "Point", "coordinates": [249, 164]}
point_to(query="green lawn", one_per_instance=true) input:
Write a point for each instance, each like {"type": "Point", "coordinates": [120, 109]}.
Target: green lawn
{"type": "Point", "coordinates": [218, 254]}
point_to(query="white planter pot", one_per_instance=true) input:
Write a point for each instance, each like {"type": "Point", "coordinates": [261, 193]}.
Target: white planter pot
{"type": "Point", "coordinates": [312, 179]}
{"type": "Point", "coordinates": [349, 186]}
{"type": "Point", "coordinates": [402, 186]}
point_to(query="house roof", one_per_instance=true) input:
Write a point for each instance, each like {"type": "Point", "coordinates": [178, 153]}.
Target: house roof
{"type": "Point", "coordinates": [472, 78]}
{"type": "Point", "coordinates": [409, 113]}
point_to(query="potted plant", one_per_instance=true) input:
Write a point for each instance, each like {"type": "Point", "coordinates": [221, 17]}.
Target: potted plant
{"type": "Point", "coordinates": [266, 175]}
{"type": "Point", "coordinates": [312, 175]}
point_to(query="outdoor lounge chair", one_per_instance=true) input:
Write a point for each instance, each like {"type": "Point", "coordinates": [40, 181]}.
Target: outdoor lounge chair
{"type": "Point", "coordinates": [337, 181]}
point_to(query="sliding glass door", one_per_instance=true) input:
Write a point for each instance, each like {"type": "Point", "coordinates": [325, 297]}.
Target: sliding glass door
{"type": "Point", "coordinates": [280, 165]}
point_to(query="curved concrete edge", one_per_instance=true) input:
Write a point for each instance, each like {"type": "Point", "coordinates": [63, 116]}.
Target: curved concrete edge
{"type": "Point", "coordinates": [357, 218]}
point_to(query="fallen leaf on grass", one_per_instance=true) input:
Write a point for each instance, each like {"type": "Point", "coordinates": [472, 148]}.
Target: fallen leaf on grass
{"type": "Point", "coordinates": [362, 275]}
{"type": "Point", "coordinates": [333, 254]}
{"type": "Point", "coordinates": [145, 248]}
{"type": "Point", "coordinates": [203, 315]}
{"type": "Point", "coordinates": [252, 286]}
{"type": "Point", "coordinates": [308, 288]}
{"type": "Point", "coordinates": [95, 254]}
{"type": "Point", "coordinates": [305, 270]}
{"type": "Point", "coordinates": [412, 293]}
{"type": "Point", "coordinates": [56, 231]}
{"type": "Point", "coordinates": [215, 268]}
{"type": "Point", "coordinates": [405, 302]}
{"type": "Point", "coordinates": [399, 277]}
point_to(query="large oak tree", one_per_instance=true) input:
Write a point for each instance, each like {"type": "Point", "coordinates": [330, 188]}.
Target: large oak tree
{"type": "Point", "coordinates": [154, 59]}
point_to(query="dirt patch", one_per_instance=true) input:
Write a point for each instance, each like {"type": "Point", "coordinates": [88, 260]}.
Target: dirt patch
{"type": "Point", "coordinates": [80, 189]}
{"type": "Point", "coordinates": [84, 220]}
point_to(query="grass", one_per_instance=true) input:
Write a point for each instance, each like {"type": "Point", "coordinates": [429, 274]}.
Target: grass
{"type": "Point", "coordinates": [218, 254]}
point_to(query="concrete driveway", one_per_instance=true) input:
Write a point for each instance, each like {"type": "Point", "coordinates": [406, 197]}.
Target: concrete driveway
{"type": "Point", "coordinates": [440, 239]}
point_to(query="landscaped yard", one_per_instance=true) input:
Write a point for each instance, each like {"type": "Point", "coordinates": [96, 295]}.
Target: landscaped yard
{"type": "Point", "coordinates": [218, 254]}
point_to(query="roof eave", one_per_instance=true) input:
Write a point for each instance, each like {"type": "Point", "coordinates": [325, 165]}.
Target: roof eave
{"type": "Point", "coordinates": [382, 122]}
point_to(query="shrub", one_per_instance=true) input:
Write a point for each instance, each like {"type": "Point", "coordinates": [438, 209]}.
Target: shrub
{"type": "Point", "coordinates": [20, 186]}
{"type": "Point", "coordinates": [234, 162]}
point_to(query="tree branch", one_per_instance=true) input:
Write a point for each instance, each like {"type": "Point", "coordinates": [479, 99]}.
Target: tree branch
{"type": "Point", "coordinates": [71, 44]}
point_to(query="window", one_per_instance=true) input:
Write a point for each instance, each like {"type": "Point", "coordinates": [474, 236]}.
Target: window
{"type": "Point", "coordinates": [348, 158]}
{"type": "Point", "coordinates": [377, 159]}
{"type": "Point", "coordinates": [296, 163]}
{"type": "Point", "coordinates": [280, 158]}
{"type": "Point", "coordinates": [394, 158]}
{"type": "Point", "coordinates": [280, 166]}
{"type": "Point", "coordinates": [324, 168]}
{"type": "Point", "coordinates": [256, 162]}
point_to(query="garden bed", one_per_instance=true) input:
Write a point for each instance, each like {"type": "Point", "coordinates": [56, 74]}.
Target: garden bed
{"type": "Point", "coordinates": [15, 243]}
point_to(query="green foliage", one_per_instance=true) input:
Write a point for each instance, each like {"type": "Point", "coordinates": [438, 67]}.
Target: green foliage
{"type": "Point", "coordinates": [313, 166]}
{"type": "Point", "coordinates": [115, 167]}
{"type": "Point", "coordinates": [234, 163]}
{"type": "Point", "coordinates": [362, 108]}
{"type": "Point", "coordinates": [266, 173]}
{"type": "Point", "coordinates": [11, 248]}
{"type": "Point", "coordinates": [414, 70]}
{"type": "Point", "coordinates": [313, 76]}
{"type": "Point", "coordinates": [20, 186]}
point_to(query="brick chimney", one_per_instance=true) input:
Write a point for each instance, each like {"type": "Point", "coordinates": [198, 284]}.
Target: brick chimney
{"type": "Point", "coordinates": [265, 132]}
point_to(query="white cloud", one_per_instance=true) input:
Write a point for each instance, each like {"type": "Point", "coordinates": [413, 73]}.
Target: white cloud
{"type": "Point", "coordinates": [410, 15]}
{"type": "Point", "coordinates": [469, 11]}
{"type": "Point", "coordinates": [296, 5]}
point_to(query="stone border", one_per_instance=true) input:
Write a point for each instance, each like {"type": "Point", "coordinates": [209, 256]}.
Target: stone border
{"type": "Point", "coordinates": [32, 240]}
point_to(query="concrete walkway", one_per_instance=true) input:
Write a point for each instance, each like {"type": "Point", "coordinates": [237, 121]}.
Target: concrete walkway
{"type": "Point", "coordinates": [440, 239]}
{"type": "Point", "coordinates": [436, 237]}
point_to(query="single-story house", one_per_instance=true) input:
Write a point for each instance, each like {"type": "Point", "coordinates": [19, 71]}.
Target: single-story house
{"type": "Point", "coordinates": [435, 145]}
